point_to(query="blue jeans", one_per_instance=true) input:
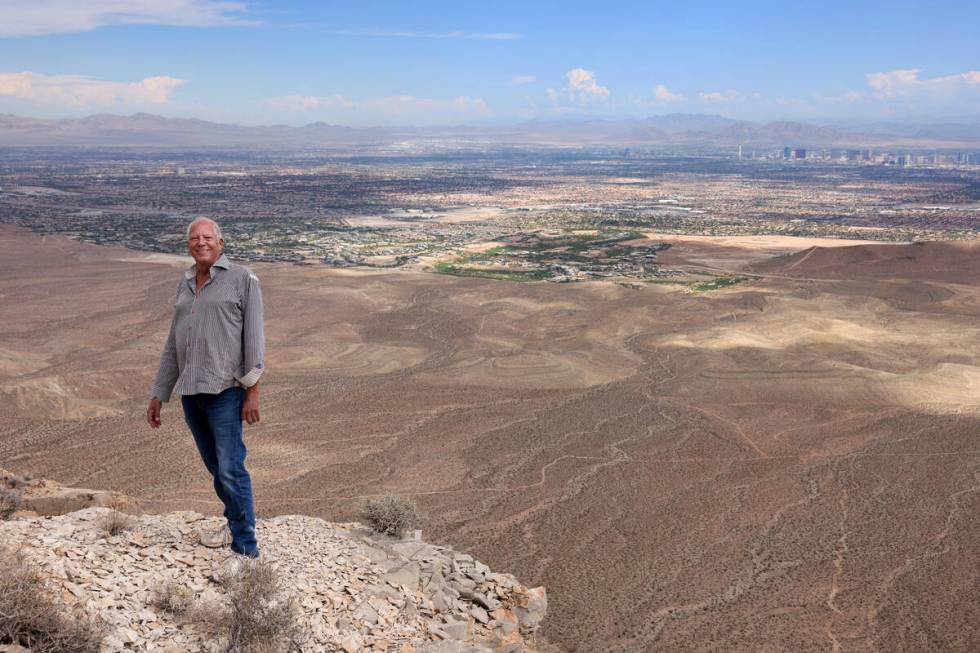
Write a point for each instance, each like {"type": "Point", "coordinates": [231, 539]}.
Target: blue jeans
{"type": "Point", "coordinates": [216, 422]}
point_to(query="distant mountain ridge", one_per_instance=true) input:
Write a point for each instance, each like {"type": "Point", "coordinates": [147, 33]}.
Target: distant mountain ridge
{"type": "Point", "coordinates": [691, 130]}
{"type": "Point", "coordinates": [149, 129]}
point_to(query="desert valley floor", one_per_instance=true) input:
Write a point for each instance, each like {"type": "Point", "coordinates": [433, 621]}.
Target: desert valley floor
{"type": "Point", "coordinates": [788, 464]}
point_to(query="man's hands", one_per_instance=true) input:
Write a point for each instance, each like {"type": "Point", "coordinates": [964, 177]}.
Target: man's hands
{"type": "Point", "coordinates": [250, 409]}
{"type": "Point", "coordinates": [153, 413]}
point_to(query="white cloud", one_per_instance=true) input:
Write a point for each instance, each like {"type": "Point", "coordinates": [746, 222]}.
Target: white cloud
{"type": "Point", "coordinates": [582, 89]}
{"type": "Point", "coordinates": [716, 97]}
{"type": "Point", "coordinates": [903, 89]}
{"type": "Point", "coordinates": [971, 78]}
{"type": "Point", "coordinates": [894, 83]}
{"type": "Point", "coordinates": [582, 85]}
{"type": "Point", "coordinates": [310, 102]}
{"type": "Point", "coordinates": [79, 91]}
{"type": "Point", "coordinates": [519, 80]}
{"type": "Point", "coordinates": [904, 82]}
{"type": "Point", "coordinates": [36, 17]}
{"type": "Point", "coordinates": [661, 94]}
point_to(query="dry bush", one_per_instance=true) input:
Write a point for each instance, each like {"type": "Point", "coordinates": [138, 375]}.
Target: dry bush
{"type": "Point", "coordinates": [173, 598]}
{"type": "Point", "coordinates": [115, 521]}
{"type": "Point", "coordinates": [392, 515]}
{"type": "Point", "coordinates": [10, 501]}
{"type": "Point", "coordinates": [30, 615]}
{"type": "Point", "coordinates": [260, 617]}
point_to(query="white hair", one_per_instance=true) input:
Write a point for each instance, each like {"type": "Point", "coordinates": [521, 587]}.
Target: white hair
{"type": "Point", "coordinates": [217, 228]}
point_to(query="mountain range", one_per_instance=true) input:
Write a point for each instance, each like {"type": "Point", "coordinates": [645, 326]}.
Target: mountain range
{"type": "Point", "coordinates": [678, 130]}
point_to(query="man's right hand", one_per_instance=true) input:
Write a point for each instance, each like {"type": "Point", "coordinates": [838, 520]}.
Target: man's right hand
{"type": "Point", "coordinates": [153, 412]}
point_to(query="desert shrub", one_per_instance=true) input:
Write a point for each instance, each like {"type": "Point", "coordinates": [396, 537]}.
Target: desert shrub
{"type": "Point", "coordinates": [30, 615]}
{"type": "Point", "coordinates": [260, 617]}
{"type": "Point", "coordinates": [173, 598]}
{"type": "Point", "coordinates": [10, 501]}
{"type": "Point", "coordinates": [391, 515]}
{"type": "Point", "coordinates": [114, 522]}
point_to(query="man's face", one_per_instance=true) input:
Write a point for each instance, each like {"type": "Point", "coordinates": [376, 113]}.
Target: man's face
{"type": "Point", "coordinates": [203, 245]}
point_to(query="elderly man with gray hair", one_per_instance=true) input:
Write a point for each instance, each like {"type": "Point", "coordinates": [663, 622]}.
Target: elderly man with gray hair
{"type": "Point", "coordinates": [213, 359]}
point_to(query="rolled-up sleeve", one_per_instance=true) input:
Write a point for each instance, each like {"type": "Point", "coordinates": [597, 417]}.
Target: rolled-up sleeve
{"type": "Point", "coordinates": [169, 371]}
{"type": "Point", "coordinates": [253, 333]}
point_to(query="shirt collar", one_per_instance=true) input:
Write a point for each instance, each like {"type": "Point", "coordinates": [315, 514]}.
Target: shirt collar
{"type": "Point", "coordinates": [222, 264]}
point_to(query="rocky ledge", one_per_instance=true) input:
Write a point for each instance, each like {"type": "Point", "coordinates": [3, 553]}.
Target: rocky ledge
{"type": "Point", "coordinates": [38, 496]}
{"type": "Point", "coordinates": [354, 590]}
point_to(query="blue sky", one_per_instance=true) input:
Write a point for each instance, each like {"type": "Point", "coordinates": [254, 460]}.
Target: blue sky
{"type": "Point", "coordinates": [396, 63]}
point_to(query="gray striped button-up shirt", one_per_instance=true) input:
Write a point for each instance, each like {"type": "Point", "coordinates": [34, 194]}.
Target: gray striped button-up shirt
{"type": "Point", "coordinates": [216, 337]}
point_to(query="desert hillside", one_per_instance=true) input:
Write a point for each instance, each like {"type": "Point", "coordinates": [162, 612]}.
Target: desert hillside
{"type": "Point", "coordinates": [788, 463]}
{"type": "Point", "coordinates": [952, 262]}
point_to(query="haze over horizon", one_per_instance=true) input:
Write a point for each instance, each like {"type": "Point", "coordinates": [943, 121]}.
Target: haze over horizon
{"type": "Point", "coordinates": [386, 64]}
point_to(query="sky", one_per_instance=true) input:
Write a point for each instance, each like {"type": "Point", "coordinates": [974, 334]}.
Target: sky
{"type": "Point", "coordinates": [489, 63]}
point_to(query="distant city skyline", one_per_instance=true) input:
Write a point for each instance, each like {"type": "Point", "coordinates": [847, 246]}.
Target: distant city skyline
{"type": "Point", "coordinates": [442, 63]}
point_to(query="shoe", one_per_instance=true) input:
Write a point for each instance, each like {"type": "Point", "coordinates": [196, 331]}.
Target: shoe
{"type": "Point", "coordinates": [216, 539]}
{"type": "Point", "coordinates": [253, 555]}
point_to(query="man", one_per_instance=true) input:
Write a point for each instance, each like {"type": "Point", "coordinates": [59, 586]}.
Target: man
{"type": "Point", "coordinates": [213, 360]}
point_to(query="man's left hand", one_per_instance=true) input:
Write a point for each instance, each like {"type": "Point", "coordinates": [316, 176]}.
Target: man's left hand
{"type": "Point", "coordinates": [250, 408]}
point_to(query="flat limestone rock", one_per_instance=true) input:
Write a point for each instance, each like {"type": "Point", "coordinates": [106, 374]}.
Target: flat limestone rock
{"type": "Point", "coordinates": [406, 574]}
{"type": "Point", "coordinates": [354, 591]}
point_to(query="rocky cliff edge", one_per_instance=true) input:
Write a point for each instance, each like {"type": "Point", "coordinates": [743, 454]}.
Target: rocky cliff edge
{"type": "Point", "coordinates": [353, 590]}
